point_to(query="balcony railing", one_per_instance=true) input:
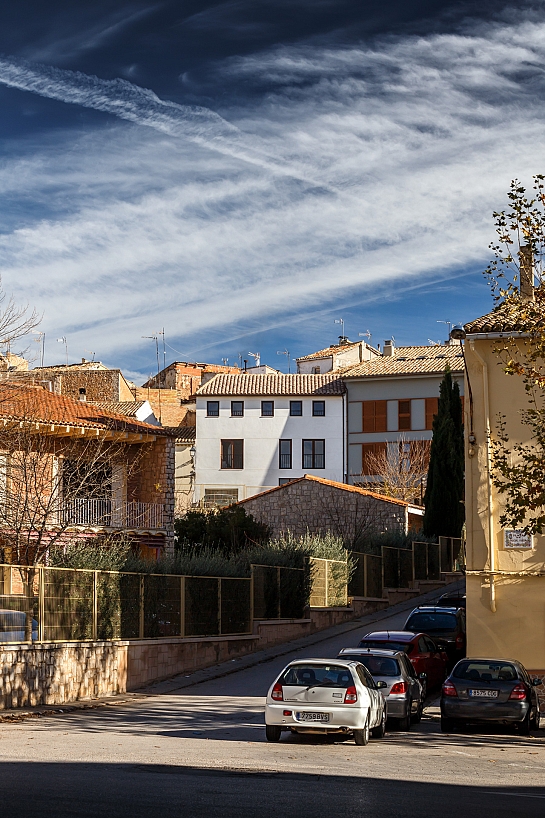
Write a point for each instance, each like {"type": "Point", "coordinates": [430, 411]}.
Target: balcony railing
{"type": "Point", "coordinates": [112, 514]}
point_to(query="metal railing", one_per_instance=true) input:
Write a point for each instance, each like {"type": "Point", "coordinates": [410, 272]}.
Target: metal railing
{"type": "Point", "coordinates": [112, 514]}
{"type": "Point", "coordinates": [329, 583]}
{"type": "Point", "coordinates": [396, 568]}
{"type": "Point", "coordinates": [279, 592]}
{"type": "Point", "coordinates": [78, 604]}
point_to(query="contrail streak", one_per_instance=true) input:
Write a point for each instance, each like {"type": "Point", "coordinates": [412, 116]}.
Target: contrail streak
{"type": "Point", "coordinates": [128, 101]}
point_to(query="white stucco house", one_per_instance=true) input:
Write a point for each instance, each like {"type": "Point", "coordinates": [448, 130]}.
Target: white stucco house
{"type": "Point", "coordinates": [256, 432]}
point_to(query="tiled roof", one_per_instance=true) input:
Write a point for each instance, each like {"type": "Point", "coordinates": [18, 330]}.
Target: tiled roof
{"type": "Point", "coordinates": [430, 360]}
{"type": "Point", "coordinates": [127, 407]}
{"type": "Point", "coordinates": [495, 321]}
{"type": "Point", "coordinates": [183, 434]}
{"type": "Point", "coordinates": [334, 484]}
{"type": "Point", "coordinates": [328, 351]}
{"type": "Point", "coordinates": [246, 385]}
{"type": "Point", "coordinates": [33, 403]}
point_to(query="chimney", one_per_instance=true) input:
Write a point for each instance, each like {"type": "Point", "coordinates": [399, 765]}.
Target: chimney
{"type": "Point", "coordinates": [82, 394]}
{"type": "Point", "coordinates": [526, 257]}
{"type": "Point", "coordinates": [389, 348]}
{"type": "Point", "coordinates": [83, 361]}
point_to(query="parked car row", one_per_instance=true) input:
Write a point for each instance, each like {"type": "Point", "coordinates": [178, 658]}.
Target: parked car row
{"type": "Point", "coordinates": [388, 675]}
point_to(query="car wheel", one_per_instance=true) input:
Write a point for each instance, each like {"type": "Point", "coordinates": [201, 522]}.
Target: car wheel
{"type": "Point", "coordinates": [524, 725]}
{"type": "Point", "coordinates": [447, 725]}
{"type": "Point", "coordinates": [405, 722]}
{"type": "Point", "coordinates": [273, 732]}
{"type": "Point", "coordinates": [417, 717]}
{"type": "Point", "coordinates": [535, 721]}
{"type": "Point", "coordinates": [380, 730]}
{"type": "Point", "coordinates": [361, 737]}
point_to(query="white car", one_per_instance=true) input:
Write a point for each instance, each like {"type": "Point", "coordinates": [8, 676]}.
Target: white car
{"type": "Point", "coordinates": [325, 696]}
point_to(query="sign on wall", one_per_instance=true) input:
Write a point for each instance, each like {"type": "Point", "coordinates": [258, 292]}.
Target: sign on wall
{"type": "Point", "coordinates": [514, 539]}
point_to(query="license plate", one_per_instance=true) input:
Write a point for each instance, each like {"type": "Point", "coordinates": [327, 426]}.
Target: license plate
{"type": "Point", "coordinates": [484, 694]}
{"type": "Point", "coordinates": [312, 716]}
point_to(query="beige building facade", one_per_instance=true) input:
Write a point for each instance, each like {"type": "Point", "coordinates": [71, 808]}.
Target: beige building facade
{"type": "Point", "coordinates": [505, 569]}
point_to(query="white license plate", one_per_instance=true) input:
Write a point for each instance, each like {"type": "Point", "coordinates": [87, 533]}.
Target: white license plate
{"type": "Point", "coordinates": [312, 716]}
{"type": "Point", "coordinates": [484, 694]}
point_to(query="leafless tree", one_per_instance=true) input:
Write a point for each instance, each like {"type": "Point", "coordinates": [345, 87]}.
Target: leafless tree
{"type": "Point", "coordinates": [399, 470]}
{"type": "Point", "coordinates": [15, 321]}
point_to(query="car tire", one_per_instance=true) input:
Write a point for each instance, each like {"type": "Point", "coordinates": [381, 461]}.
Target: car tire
{"type": "Point", "coordinates": [447, 725]}
{"type": "Point", "coordinates": [535, 721]}
{"type": "Point", "coordinates": [272, 732]}
{"type": "Point", "coordinates": [405, 723]}
{"type": "Point", "coordinates": [523, 727]}
{"type": "Point", "coordinates": [416, 718]}
{"type": "Point", "coordinates": [380, 730]}
{"type": "Point", "coordinates": [361, 737]}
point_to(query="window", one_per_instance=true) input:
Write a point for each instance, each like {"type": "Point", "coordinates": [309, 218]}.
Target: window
{"type": "Point", "coordinates": [232, 454]}
{"type": "Point", "coordinates": [219, 497]}
{"type": "Point", "coordinates": [370, 452]}
{"type": "Point", "coordinates": [237, 408]}
{"type": "Point", "coordinates": [314, 454]}
{"type": "Point", "coordinates": [431, 410]}
{"type": "Point", "coordinates": [374, 416]}
{"type": "Point", "coordinates": [284, 451]}
{"type": "Point", "coordinates": [404, 415]}
{"type": "Point", "coordinates": [283, 480]}
{"type": "Point", "coordinates": [315, 370]}
{"type": "Point", "coordinates": [318, 408]}
{"type": "Point", "coordinates": [296, 408]}
{"type": "Point", "coordinates": [267, 408]}
{"type": "Point", "coordinates": [213, 408]}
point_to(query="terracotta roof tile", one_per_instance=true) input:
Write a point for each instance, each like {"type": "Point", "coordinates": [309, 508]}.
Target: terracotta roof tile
{"type": "Point", "coordinates": [495, 321]}
{"type": "Point", "coordinates": [334, 484]}
{"type": "Point", "coordinates": [247, 385]}
{"type": "Point", "coordinates": [39, 405]}
{"type": "Point", "coordinates": [328, 351]}
{"type": "Point", "coordinates": [418, 360]}
{"type": "Point", "coordinates": [128, 407]}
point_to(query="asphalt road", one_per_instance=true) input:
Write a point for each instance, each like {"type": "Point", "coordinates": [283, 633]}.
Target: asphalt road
{"type": "Point", "coordinates": [201, 751]}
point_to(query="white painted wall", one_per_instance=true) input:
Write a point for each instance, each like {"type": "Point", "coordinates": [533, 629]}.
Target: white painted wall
{"type": "Point", "coordinates": [261, 449]}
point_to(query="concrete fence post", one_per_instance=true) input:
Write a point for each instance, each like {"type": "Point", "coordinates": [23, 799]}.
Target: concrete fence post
{"type": "Point", "coordinates": [95, 606]}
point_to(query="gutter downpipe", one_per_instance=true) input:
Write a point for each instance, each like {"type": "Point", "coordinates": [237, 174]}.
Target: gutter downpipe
{"type": "Point", "coordinates": [491, 551]}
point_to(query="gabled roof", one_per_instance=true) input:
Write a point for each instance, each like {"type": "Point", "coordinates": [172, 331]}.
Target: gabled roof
{"type": "Point", "coordinates": [37, 405]}
{"type": "Point", "coordinates": [128, 407]}
{"type": "Point", "coordinates": [246, 385]}
{"type": "Point", "coordinates": [183, 434]}
{"type": "Point", "coordinates": [496, 321]}
{"type": "Point", "coordinates": [342, 486]}
{"type": "Point", "coordinates": [418, 360]}
{"type": "Point", "coordinates": [329, 351]}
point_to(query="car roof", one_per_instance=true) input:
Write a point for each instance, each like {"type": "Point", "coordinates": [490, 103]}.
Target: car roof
{"type": "Point", "coordinates": [400, 636]}
{"type": "Point", "coordinates": [488, 659]}
{"type": "Point", "coordinates": [372, 652]}
{"type": "Point", "coordinates": [433, 609]}
{"type": "Point", "coordinates": [315, 661]}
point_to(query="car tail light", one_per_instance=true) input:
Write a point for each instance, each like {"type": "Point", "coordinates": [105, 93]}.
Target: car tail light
{"type": "Point", "coordinates": [519, 692]}
{"type": "Point", "coordinates": [351, 695]}
{"type": "Point", "coordinates": [277, 693]}
{"type": "Point", "coordinates": [449, 689]}
{"type": "Point", "coordinates": [286, 713]}
{"type": "Point", "coordinates": [459, 641]}
{"type": "Point", "coordinates": [399, 687]}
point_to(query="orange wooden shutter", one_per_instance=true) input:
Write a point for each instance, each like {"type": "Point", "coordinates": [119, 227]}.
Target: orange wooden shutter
{"type": "Point", "coordinates": [432, 405]}
{"type": "Point", "coordinates": [381, 421]}
{"type": "Point", "coordinates": [368, 415]}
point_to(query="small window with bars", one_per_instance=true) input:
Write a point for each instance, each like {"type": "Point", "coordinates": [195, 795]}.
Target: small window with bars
{"type": "Point", "coordinates": [284, 453]}
{"type": "Point", "coordinates": [318, 408]}
{"type": "Point", "coordinates": [296, 408]}
{"type": "Point", "coordinates": [232, 454]}
{"type": "Point", "coordinates": [213, 408]}
{"type": "Point", "coordinates": [237, 408]}
{"type": "Point", "coordinates": [267, 408]}
{"type": "Point", "coordinates": [314, 454]}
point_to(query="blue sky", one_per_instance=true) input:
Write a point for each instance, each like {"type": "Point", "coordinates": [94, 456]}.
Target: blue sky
{"type": "Point", "coordinates": [243, 173]}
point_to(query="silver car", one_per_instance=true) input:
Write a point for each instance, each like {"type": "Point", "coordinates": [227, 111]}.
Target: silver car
{"type": "Point", "coordinates": [402, 690]}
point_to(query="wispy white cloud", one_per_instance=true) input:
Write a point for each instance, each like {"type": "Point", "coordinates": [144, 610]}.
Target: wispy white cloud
{"type": "Point", "coordinates": [420, 136]}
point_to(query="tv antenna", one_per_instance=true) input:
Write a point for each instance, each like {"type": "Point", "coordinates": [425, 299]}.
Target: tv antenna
{"type": "Point", "coordinates": [366, 334]}
{"type": "Point", "coordinates": [341, 322]}
{"type": "Point", "coordinates": [90, 353]}
{"type": "Point", "coordinates": [64, 341]}
{"type": "Point", "coordinates": [225, 361]}
{"type": "Point", "coordinates": [155, 337]}
{"type": "Point", "coordinates": [257, 358]}
{"type": "Point", "coordinates": [286, 352]}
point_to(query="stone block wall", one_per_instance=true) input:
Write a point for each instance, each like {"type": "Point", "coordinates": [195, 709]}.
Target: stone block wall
{"type": "Point", "coordinates": [319, 507]}
{"type": "Point", "coordinates": [154, 481]}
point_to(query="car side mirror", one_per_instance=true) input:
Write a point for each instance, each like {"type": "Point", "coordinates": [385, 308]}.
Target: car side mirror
{"type": "Point", "coordinates": [381, 685]}
{"type": "Point", "coordinates": [536, 682]}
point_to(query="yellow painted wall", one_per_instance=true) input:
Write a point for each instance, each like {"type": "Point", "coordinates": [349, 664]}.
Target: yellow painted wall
{"type": "Point", "coordinates": [517, 628]}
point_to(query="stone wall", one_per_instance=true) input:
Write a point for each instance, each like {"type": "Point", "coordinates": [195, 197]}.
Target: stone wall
{"type": "Point", "coordinates": [320, 506]}
{"type": "Point", "coordinates": [154, 480]}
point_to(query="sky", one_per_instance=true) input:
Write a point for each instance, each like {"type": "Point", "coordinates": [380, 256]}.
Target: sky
{"type": "Point", "coordinates": [244, 174]}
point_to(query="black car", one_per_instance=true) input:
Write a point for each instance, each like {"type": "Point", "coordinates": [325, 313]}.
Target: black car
{"type": "Point", "coordinates": [446, 626]}
{"type": "Point", "coordinates": [497, 691]}
{"type": "Point", "coordinates": [454, 599]}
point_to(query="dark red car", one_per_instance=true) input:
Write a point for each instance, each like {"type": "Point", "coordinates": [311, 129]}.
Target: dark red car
{"type": "Point", "coordinates": [422, 652]}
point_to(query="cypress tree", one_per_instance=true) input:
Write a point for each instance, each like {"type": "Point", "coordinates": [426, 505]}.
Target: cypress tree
{"type": "Point", "coordinates": [444, 514]}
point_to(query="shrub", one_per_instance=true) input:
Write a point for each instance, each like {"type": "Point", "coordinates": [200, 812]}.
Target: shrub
{"type": "Point", "coordinates": [227, 529]}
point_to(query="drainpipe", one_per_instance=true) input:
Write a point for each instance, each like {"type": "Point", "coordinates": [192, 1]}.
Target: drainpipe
{"type": "Point", "coordinates": [492, 553]}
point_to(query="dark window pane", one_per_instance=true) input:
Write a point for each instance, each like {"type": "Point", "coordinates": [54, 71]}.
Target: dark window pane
{"type": "Point", "coordinates": [267, 408]}
{"type": "Point", "coordinates": [213, 408]}
{"type": "Point", "coordinates": [237, 408]}
{"type": "Point", "coordinates": [285, 454]}
{"type": "Point", "coordinates": [232, 454]}
{"type": "Point", "coordinates": [318, 408]}
{"type": "Point", "coordinates": [296, 408]}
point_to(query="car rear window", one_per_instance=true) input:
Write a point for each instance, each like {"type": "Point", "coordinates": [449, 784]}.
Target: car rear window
{"type": "Point", "coordinates": [377, 665]}
{"type": "Point", "coordinates": [485, 671]}
{"type": "Point", "coordinates": [321, 675]}
{"type": "Point", "coordinates": [385, 643]}
{"type": "Point", "coordinates": [12, 620]}
{"type": "Point", "coordinates": [428, 622]}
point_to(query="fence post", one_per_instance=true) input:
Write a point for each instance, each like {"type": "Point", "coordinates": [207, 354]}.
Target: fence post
{"type": "Point", "coordinates": [412, 560]}
{"type": "Point", "coordinates": [95, 606]}
{"type": "Point", "coordinates": [427, 560]}
{"type": "Point", "coordinates": [219, 606]}
{"type": "Point", "coordinates": [365, 575]}
{"type": "Point", "coordinates": [141, 611]}
{"type": "Point", "coordinates": [327, 583]}
{"type": "Point", "coordinates": [279, 606]}
{"type": "Point", "coordinates": [252, 597]}
{"type": "Point", "coordinates": [182, 606]}
{"type": "Point", "coordinates": [41, 604]}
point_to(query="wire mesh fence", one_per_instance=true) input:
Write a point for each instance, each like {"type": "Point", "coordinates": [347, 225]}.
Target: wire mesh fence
{"type": "Point", "coordinates": [394, 568]}
{"type": "Point", "coordinates": [63, 604]}
{"type": "Point", "coordinates": [279, 592]}
{"type": "Point", "coordinates": [329, 583]}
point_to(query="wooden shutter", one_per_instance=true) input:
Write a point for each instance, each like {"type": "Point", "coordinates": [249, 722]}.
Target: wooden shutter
{"type": "Point", "coordinates": [404, 415]}
{"type": "Point", "coordinates": [374, 416]}
{"type": "Point", "coordinates": [367, 449]}
{"type": "Point", "coordinates": [432, 405]}
{"type": "Point", "coordinates": [381, 420]}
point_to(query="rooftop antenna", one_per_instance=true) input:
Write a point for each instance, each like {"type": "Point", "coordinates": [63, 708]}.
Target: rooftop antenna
{"type": "Point", "coordinates": [286, 352]}
{"type": "Point", "coordinates": [366, 334]}
{"type": "Point", "coordinates": [90, 353]}
{"type": "Point", "coordinates": [341, 322]}
{"type": "Point", "coordinates": [162, 332]}
{"type": "Point", "coordinates": [155, 337]}
{"type": "Point", "coordinates": [64, 341]}
{"type": "Point", "coordinates": [225, 361]}
{"type": "Point", "coordinates": [40, 340]}
{"type": "Point", "coordinates": [434, 343]}
{"type": "Point", "coordinates": [257, 358]}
